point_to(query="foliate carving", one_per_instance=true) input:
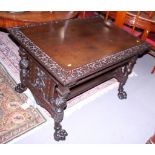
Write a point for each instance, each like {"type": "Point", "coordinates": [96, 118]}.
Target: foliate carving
{"type": "Point", "coordinates": [59, 105]}
{"type": "Point", "coordinates": [66, 77]}
{"type": "Point", "coordinates": [24, 72]}
{"type": "Point", "coordinates": [121, 75]}
{"type": "Point", "coordinates": [39, 82]}
{"type": "Point", "coordinates": [24, 64]}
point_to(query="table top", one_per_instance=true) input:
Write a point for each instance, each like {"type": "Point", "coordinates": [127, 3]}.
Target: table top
{"type": "Point", "coordinates": [73, 49]}
{"type": "Point", "coordinates": [37, 16]}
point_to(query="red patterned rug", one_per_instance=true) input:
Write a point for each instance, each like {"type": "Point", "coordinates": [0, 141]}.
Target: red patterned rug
{"type": "Point", "coordinates": [14, 120]}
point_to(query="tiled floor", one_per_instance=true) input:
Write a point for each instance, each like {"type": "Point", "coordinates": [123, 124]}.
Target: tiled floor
{"type": "Point", "coordinates": [108, 120]}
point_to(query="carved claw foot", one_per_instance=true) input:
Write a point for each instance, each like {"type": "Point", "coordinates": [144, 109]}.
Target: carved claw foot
{"type": "Point", "coordinates": [122, 95]}
{"type": "Point", "coordinates": [20, 88]}
{"type": "Point", "coordinates": [60, 135]}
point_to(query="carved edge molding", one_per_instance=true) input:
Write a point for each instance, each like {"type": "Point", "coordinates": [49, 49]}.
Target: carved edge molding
{"type": "Point", "coordinates": [66, 77]}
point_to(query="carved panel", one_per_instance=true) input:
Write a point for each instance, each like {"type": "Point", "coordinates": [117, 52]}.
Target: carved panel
{"type": "Point", "coordinates": [40, 80]}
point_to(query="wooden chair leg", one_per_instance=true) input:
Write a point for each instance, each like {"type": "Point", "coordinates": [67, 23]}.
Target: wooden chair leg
{"type": "Point", "coordinates": [153, 70]}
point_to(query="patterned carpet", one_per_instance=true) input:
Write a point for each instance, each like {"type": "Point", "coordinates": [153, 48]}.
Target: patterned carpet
{"type": "Point", "coordinates": [9, 56]}
{"type": "Point", "coordinates": [14, 119]}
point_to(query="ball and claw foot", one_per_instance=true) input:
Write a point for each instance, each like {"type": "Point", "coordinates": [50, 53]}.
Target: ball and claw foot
{"type": "Point", "coordinates": [122, 95]}
{"type": "Point", "coordinates": [20, 88]}
{"type": "Point", "coordinates": [60, 134]}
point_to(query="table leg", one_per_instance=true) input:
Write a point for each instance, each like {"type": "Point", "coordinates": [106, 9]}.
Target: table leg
{"type": "Point", "coordinates": [59, 106]}
{"type": "Point", "coordinates": [24, 64]}
{"type": "Point", "coordinates": [121, 75]}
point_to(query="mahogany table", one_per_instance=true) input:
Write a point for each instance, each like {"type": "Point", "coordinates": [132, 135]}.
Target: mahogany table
{"type": "Point", "coordinates": [12, 19]}
{"type": "Point", "coordinates": [62, 59]}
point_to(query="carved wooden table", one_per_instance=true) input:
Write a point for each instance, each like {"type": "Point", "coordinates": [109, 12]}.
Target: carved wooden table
{"type": "Point", "coordinates": [62, 59]}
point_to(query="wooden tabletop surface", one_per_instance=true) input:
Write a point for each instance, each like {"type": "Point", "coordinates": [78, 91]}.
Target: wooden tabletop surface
{"type": "Point", "coordinates": [72, 49]}
{"type": "Point", "coordinates": [78, 42]}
